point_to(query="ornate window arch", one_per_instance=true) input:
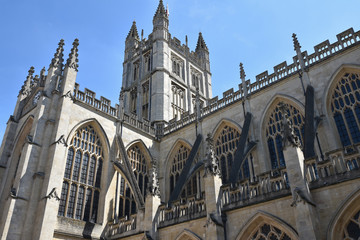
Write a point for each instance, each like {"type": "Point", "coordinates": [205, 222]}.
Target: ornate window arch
{"type": "Point", "coordinates": [265, 226]}
{"type": "Point", "coordinates": [346, 222]}
{"type": "Point", "coordinates": [177, 160]}
{"type": "Point", "coordinates": [345, 107]}
{"type": "Point", "coordinates": [273, 131]}
{"type": "Point", "coordinates": [82, 178]}
{"type": "Point", "coordinates": [226, 141]}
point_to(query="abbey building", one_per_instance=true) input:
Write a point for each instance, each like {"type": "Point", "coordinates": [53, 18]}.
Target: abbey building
{"type": "Point", "coordinates": [276, 158]}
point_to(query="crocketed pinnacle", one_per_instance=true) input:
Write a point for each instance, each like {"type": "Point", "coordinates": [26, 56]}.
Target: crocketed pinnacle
{"type": "Point", "coordinates": [26, 88]}
{"type": "Point", "coordinates": [160, 11]}
{"type": "Point", "coordinates": [242, 72]}
{"type": "Point", "coordinates": [58, 56]}
{"type": "Point", "coordinates": [133, 33]}
{"type": "Point", "coordinates": [201, 43]}
{"type": "Point", "coordinates": [296, 42]}
{"type": "Point", "coordinates": [73, 60]}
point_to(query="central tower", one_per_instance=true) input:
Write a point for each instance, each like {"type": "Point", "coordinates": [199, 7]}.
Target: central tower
{"type": "Point", "coordinates": [161, 76]}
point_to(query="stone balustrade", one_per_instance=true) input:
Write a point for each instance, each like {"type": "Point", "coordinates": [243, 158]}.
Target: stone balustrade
{"type": "Point", "coordinates": [337, 164]}
{"type": "Point", "coordinates": [268, 185]}
{"type": "Point", "coordinates": [181, 210]}
{"type": "Point", "coordinates": [123, 225]}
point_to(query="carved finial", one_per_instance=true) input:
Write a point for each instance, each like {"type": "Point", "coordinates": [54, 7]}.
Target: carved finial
{"type": "Point", "coordinates": [133, 33]}
{"type": "Point", "coordinates": [242, 72]}
{"type": "Point", "coordinates": [288, 134]}
{"type": "Point", "coordinates": [186, 40]}
{"type": "Point", "coordinates": [296, 42]}
{"type": "Point", "coordinates": [57, 60]}
{"type": "Point", "coordinates": [201, 43]}
{"type": "Point", "coordinates": [73, 60]}
{"type": "Point", "coordinates": [26, 87]}
{"type": "Point", "coordinates": [142, 34]}
{"type": "Point", "coordinates": [42, 77]}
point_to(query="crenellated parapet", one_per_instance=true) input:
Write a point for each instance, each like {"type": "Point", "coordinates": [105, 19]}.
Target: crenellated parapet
{"type": "Point", "coordinates": [282, 71]}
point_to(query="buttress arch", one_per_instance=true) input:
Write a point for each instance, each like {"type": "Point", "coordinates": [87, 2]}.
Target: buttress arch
{"type": "Point", "coordinates": [275, 225]}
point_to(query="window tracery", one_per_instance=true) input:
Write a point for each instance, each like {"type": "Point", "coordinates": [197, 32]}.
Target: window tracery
{"type": "Point", "coordinates": [177, 66]}
{"type": "Point", "coordinates": [178, 161]}
{"type": "Point", "coordinates": [274, 135]}
{"type": "Point", "coordinates": [269, 232]}
{"type": "Point", "coordinates": [82, 177]}
{"type": "Point", "coordinates": [345, 107]}
{"type": "Point", "coordinates": [145, 101]}
{"type": "Point", "coordinates": [226, 142]}
{"type": "Point", "coordinates": [352, 229]}
{"type": "Point", "coordinates": [138, 162]}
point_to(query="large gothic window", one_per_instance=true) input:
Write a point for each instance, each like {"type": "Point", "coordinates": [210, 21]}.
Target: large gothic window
{"type": "Point", "coordinates": [274, 135]}
{"type": "Point", "coordinates": [178, 160]}
{"type": "Point", "coordinates": [138, 162]}
{"type": "Point", "coordinates": [82, 178]}
{"type": "Point", "coordinates": [345, 107]}
{"type": "Point", "coordinates": [226, 142]}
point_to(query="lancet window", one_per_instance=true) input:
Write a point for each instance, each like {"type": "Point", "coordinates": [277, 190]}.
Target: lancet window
{"type": "Point", "coordinates": [145, 101]}
{"type": "Point", "coordinates": [133, 100]}
{"type": "Point", "coordinates": [269, 232]}
{"type": "Point", "coordinates": [177, 103]}
{"type": "Point", "coordinates": [178, 161]}
{"type": "Point", "coordinates": [274, 134]}
{"type": "Point", "coordinates": [196, 80]}
{"type": "Point", "coordinates": [226, 142]}
{"type": "Point", "coordinates": [345, 107]}
{"type": "Point", "coordinates": [82, 178]}
{"type": "Point", "coordinates": [147, 58]}
{"type": "Point", "coordinates": [177, 66]}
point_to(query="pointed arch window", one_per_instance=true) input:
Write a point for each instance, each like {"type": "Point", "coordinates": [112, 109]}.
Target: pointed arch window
{"type": "Point", "coordinates": [127, 203]}
{"type": "Point", "coordinates": [345, 107]}
{"type": "Point", "coordinates": [274, 135]}
{"type": "Point", "coordinates": [82, 178]}
{"type": "Point", "coordinates": [226, 142]}
{"type": "Point", "coordinates": [178, 160]}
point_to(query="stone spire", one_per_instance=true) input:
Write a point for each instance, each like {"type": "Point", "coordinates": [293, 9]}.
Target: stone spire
{"type": "Point", "coordinates": [58, 56]}
{"type": "Point", "coordinates": [201, 45]}
{"type": "Point", "coordinates": [160, 11]}
{"type": "Point", "coordinates": [26, 88]}
{"type": "Point", "coordinates": [133, 33]}
{"type": "Point", "coordinates": [299, 54]}
{"type": "Point", "coordinates": [72, 61]}
{"type": "Point", "coordinates": [161, 18]}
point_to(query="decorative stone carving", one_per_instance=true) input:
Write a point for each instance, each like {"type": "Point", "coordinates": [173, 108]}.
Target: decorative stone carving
{"type": "Point", "coordinates": [52, 194]}
{"type": "Point", "coordinates": [61, 140]}
{"type": "Point", "coordinates": [211, 162]}
{"type": "Point", "coordinates": [301, 196]}
{"type": "Point", "coordinates": [289, 136]}
{"type": "Point", "coordinates": [58, 56]}
{"type": "Point", "coordinates": [26, 88]}
{"type": "Point", "coordinates": [153, 185]}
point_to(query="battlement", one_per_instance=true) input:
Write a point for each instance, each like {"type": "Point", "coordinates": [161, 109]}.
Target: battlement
{"type": "Point", "coordinates": [183, 49]}
{"type": "Point", "coordinates": [323, 51]}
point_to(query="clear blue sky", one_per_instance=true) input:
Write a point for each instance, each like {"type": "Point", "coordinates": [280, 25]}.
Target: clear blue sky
{"type": "Point", "coordinates": [255, 32]}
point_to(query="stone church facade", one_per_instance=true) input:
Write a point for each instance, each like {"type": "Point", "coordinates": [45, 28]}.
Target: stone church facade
{"type": "Point", "coordinates": [277, 158]}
